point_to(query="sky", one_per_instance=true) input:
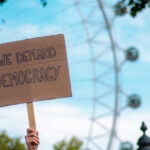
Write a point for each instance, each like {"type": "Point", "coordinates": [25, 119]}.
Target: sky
{"type": "Point", "coordinates": [66, 117]}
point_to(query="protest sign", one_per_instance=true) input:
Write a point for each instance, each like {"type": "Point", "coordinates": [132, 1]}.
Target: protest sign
{"type": "Point", "coordinates": [33, 69]}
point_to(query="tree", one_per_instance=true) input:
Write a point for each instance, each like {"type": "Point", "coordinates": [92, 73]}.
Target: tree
{"type": "Point", "coordinates": [2, 1]}
{"type": "Point", "coordinates": [7, 143]}
{"type": "Point", "coordinates": [134, 6]}
{"type": "Point", "coordinates": [44, 2]}
{"type": "Point", "coordinates": [137, 6]}
{"type": "Point", "coordinates": [73, 144]}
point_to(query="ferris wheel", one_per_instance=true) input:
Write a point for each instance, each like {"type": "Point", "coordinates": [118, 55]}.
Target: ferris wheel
{"type": "Point", "coordinates": [107, 59]}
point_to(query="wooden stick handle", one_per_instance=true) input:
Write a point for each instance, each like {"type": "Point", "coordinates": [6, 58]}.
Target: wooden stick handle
{"type": "Point", "coordinates": [31, 118]}
{"type": "Point", "coordinates": [31, 115]}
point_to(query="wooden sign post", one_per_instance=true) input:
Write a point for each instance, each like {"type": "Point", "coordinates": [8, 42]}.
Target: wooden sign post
{"type": "Point", "coordinates": [31, 68]}
{"type": "Point", "coordinates": [31, 116]}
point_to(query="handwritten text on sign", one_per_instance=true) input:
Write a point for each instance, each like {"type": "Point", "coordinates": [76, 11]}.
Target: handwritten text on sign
{"type": "Point", "coordinates": [33, 69]}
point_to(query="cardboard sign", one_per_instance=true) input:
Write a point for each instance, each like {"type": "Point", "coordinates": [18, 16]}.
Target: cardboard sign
{"type": "Point", "coordinates": [34, 69]}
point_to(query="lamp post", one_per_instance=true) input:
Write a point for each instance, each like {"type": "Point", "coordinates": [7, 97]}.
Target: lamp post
{"type": "Point", "coordinates": [144, 140]}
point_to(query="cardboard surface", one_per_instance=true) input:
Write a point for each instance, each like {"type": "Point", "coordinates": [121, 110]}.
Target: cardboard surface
{"type": "Point", "coordinates": [34, 69]}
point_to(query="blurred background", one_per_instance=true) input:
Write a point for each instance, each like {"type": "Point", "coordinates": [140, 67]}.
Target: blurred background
{"type": "Point", "coordinates": [107, 44]}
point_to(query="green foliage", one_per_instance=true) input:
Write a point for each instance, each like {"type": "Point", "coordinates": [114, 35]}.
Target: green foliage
{"type": "Point", "coordinates": [137, 6]}
{"type": "Point", "coordinates": [134, 6]}
{"type": "Point", "coordinates": [73, 144]}
{"type": "Point", "coordinates": [44, 2]}
{"type": "Point", "coordinates": [2, 1]}
{"type": "Point", "coordinates": [7, 143]}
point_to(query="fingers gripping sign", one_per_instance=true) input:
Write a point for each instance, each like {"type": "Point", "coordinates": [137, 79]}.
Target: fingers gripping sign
{"type": "Point", "coordinates": [32, 139]}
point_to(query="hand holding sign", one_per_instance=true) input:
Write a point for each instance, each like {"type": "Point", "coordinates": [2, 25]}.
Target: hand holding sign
{"type": "Point", "coordinates": [32, 139]}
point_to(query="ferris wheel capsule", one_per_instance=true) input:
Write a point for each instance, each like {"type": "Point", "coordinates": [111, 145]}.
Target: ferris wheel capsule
{"type": "Point", "coordinates": [134, 101]}
{"type": "Point", "coordinates": [126, 146]}
{"type": "Point", "coordinates": [120, 8]}
{"type": "Point", "coordinates": [132, 54]}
